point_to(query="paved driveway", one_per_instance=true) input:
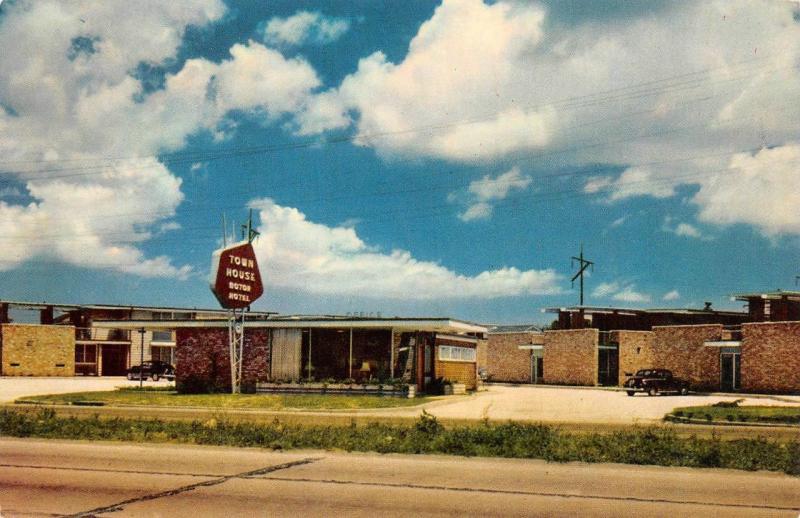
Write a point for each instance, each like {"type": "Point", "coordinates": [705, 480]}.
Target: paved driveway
{"type": "Point", "coordinates": [575, 405]}
{"type": "Point", "coordinates": [12, 387]}
{"type": "Point", "coordinates": [498, 402]}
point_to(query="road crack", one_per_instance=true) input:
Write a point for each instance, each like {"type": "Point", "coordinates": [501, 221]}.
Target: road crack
{"type": "Point", "coordinates": [191, 487]}
{"type": "Point", "coordinates": [532, 493]}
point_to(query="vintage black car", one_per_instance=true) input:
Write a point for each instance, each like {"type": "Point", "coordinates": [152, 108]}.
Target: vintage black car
{"type": "Point", "coordinates": [152, 369]}
{"type": "Point", "coordinates": [655, 382]}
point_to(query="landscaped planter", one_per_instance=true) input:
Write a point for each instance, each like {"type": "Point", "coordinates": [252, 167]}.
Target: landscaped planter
{"type": "Point", "coordinates": [455, 389]}
{"type": "Point", "coordinates": [337, 388]}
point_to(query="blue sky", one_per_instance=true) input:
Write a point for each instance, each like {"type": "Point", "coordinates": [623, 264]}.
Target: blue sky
{"type": "Point", "coordinates": [408, 158]}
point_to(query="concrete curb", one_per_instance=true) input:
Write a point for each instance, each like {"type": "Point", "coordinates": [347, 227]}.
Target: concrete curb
{"type": "Point", "coordinates": [672, 418]}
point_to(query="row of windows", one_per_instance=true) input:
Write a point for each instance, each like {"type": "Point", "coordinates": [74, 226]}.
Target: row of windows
{"type": "Point", "coordinates": [162, 336]}
{"type": "Point", "coordinates": [165, 354]}
{"type": "Point", "coordinates": [456, 354]}
{"type": "Point", "coordinates": [85, 353]}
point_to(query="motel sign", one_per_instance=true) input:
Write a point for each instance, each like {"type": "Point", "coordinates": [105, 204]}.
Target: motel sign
{"type": "Point", "coordinates": [235, 279]}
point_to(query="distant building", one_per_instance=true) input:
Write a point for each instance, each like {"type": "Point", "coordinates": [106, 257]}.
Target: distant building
{"type": "Point", "coordinates": [756, 351]}
{"type": "Point", "coordinates": [615, 318]}
{"type": "Point", "coordinates": [772, 306]}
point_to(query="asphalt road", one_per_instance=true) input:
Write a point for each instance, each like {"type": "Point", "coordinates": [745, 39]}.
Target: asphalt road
{"type": "Point", "coordinates": [45, 478]}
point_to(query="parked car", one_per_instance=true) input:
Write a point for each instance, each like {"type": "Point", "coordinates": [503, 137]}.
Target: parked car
{"type": "Point", "coordinates": [152, 369]}
{"type": "Point", "coordinates": [655, 382]}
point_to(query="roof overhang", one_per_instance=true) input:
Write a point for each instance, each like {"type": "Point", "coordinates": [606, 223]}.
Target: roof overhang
{"type": "Point", "coordinates": [773, 295]}
{"type": "Point", "coordinates": [531, 347]}
{"type": "Point", "coordinates": [595, 310]}
{"type": "Point", "coordinates": [444, 325]}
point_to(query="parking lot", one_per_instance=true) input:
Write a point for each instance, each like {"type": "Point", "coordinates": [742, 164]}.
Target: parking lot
{"type": "Point", "coordinates": [12, 388]}
{"type": "Point", "coordinates": [497, 402]}
{"type": "Point", "coordinates": [578, 405]}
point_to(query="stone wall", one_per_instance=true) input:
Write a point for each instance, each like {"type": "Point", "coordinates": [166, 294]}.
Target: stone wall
{"type": "Point", "coordinates": [570, 357]}
{"type": "Point", "coordinates": [37, 350]}
{"type": "Point", "coordinates": [771, 357]}
{"type": "Point", "coordinates": [681, 349]}
{"type": "Point", "coordinates": [635, 351]}
{"type": "Point", "coordinates": [204, 358]}
{"type": "Point", "coordinates": [506, 362]}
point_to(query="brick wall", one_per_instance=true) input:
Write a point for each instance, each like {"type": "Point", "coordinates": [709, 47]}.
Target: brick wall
{"type": "Point", "coordinates": [203, 359]}
{"type": "Point", "coordinates": [681, 350]}
{"type": "Point", "coordinates": [37, 350]}
{"type": "Point", "coordinates": [771, 357]}
{"type": "Point", "coordinates": [482, 354]}
{"type": "Point", "coordinates": [460, 371]}
{"type": "Point", "coordinates": [506, 361]}
{"type": "Point", "coordinates": [635, 351]}
{"type": "Point", "coordinates": [570, 357]}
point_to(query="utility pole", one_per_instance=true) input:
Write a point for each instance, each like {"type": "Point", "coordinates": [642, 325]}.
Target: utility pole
{"type": "Point", "coordinates": [141, 358]}
{"type": "Point", "coordinates": [583, 264]}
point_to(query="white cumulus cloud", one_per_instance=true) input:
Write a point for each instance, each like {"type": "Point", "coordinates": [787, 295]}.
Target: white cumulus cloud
{"type": "Point", "coordinates": [304, 27]}
{"type": "Point", "coordinates": [761, 189]}
{"type": "Point", "coordinates": [488, 189]}
{"type": "Point", "coordinates": [485, 81]}
{"type": "Point", "coordinates": [299, 254]}
{"type": "Point", "coordinates": [671, 295]}
{"type": "Point", "coordinates": [72, 106]}
{"type": "Point", "coordinates": [619, 292]}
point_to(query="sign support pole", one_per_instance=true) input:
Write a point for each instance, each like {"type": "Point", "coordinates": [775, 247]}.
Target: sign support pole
{"type": "Point", "coordinates": [236, 282]}
{"type": "Point", "coordinates": [236, 348]}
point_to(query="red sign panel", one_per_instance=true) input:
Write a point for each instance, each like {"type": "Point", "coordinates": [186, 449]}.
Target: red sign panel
{"type": "Point", "coordinates": [235, 279]}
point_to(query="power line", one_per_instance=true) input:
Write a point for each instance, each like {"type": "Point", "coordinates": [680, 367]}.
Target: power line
{"type": "Point", "coordinates": [185, 157]}
{"type": "Point", "coordinates": [582, 146]}
{"type": "Point", "coordinates": [388, 214]}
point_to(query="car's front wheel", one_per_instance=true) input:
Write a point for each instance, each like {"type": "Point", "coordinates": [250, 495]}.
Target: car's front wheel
{"type": "Point", "coordinates": [155, 377]}
{"type": "Point", "coordinates": [130, 376]}
{"type": "Point", "coordinates": [652, 392]}
{"type": "Point", "coordinates": [631, 392]}
{"type": "Point", "coordinates": [684, 391]}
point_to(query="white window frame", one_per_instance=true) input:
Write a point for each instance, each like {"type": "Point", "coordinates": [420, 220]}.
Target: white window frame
{"type": "Point", "coordinates": [454, 353]}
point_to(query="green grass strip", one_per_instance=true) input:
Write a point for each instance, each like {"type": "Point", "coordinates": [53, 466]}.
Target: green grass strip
{"type": "Point", "coordinates": [742, 414]}
{"type": "Point", "coordinates": [654, 446]}
{"type": "Point", "coordinates": [171, 398]}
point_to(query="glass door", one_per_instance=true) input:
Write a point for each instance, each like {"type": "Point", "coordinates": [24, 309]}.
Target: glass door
{"type": "Point", "coordinates": [730, 371]}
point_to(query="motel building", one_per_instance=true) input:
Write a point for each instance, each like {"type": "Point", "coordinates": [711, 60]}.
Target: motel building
{"type": "Point", "coordinates": [104, 340]}
{"type": "Point", "coordinates": [43, 339]}
{"type": "Point", "coordinates": [756, 351]}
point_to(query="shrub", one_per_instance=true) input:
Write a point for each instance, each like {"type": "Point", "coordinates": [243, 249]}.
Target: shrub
{"type": "Point", "coordinates": [655, 446]}
{"type": "Point", "coordinates": [194, 384]}
{"type": "Point", "coordinates": [728, 404]}
{"type": "Point", "coordinates": [428, 424]}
